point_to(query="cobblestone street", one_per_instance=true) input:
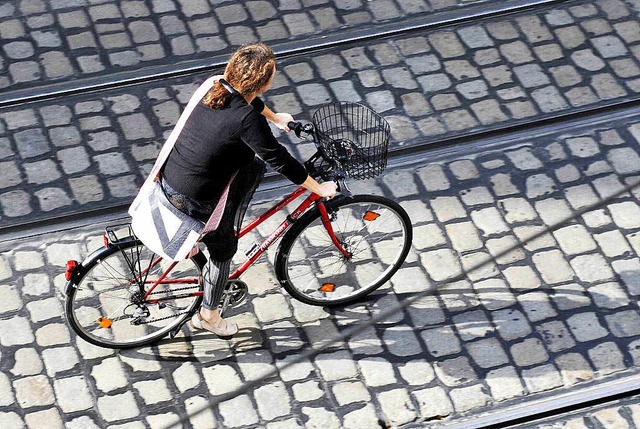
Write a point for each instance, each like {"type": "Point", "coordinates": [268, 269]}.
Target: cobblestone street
{"type": "Point", "coordinates": [83, 152]}
{"type": "Point", "coordinates": [526, 244]}
{"type": "Point", "coordinates": [556, 312]}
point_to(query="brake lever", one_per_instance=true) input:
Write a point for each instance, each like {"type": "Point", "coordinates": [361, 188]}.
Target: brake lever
{"type": "Point", "coordinates": [343, 188]}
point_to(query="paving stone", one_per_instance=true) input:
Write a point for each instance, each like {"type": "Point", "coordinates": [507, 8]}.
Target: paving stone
{"type": "Point", "coordinates": [350, 392]}
{"type": "Point", "coordinates": [307, 391]}
{"type": "Point", "coordinates": [320, 417]}
{"type": "Point", "coordinates": [541, 378]}
{"type": "Point", "coordinates": [521, 277]}
{"type": "Point", "coordinates": [487, 353]}
{"type": "Point", "coordinates": [478, 266]}
{"type": "Point", "coordinates": [627, 271]}
{"type": "Point", "coordinates": [59, 359]}
{"type": "Point", "coordinates": [511, 324]}
{"type": "Point", "coordinates": [464, 236]}
{"type": "Point", "coordinates": [606, 358]}
{"type": "Point", "coordinates": [592, 268]}
{"type": "Point", "coordinates": [49, 418]}
{"type": "Point", "coordinates": [417, 372]}
{"type": "Point", "coordinates": [397, 406]}
{"type": "Point", "coordinates": [587, 60]}
{"type": "Point", "coordinates": [11, 419]}
{"type": "Point", "coordinates": [363, 417]}
{"type": "Point", "coordinates": [505, 250]}
{"type": "Point", "coordinates": [52, 334]}
{"type": "Point", "coordinates": [72, 394]}
{"type": "Point", "coordinates": [574, 239]}
{"type": "Point", "coordinates": [537, 306]}
{"type": "Point", "coordinates": [574, 368]}
{"type": "Point", "coordinates": [153, 391]}
{"type": "Point", "coordinates": [494, 293]}
{"type": "Point", "coordinates": [552, 266]}
{"type": "Point", "coordinates": [109, 375]}
{"type": "Point", "coordinates": [609, 295]}
{"type": "Point", "coordinates": [441, 341]}
{"type": "Point", "coordinates": [489, 221]}
{"type": "Point", "coordinates": [426, 311]}
{"type": "Point", "coordinates": [15, 331]}
{"type": "Point", "coordinates": [468, 398]}
{"type": "Point", "coordinates": [6, 393]}
{"type": "Point", "coordinates": [433, 402]}
{"type": "Point", "coordinates": [12, 301]}
{"type": "Point", "coordinates": [441, 264]}
{"type": "Point", "coordinates": [586, 327]}
{"type": "Point", "coordinates": [28, 362]}
{"type": "Point", "coordinates": [33, 391]}
{"type": "Point", "coordinates": [464, 170]}
{"type": "Point", "coordinates": [556, 336]}
{"type": "Point", "coordinates": [504, 383]}
{"type": "Point", "coordinates": [433, 178]}
{"type": "Point", "coordinates": [612, 243]}
{"type": "Point", "coordinates": [476, 196]}
{"type": "Point", "coordinates": [502, 184]}
{"type": "Point", "coordinates": [331, 372]}
{"type": "Point", "coordinates": [44, 309]}
{"type": "Point", "coordinates": [118, 407]}
{"type": "Point", "coordinates": [401, 341]}
{"type": "Point", "coordinates": [455, 372]}
{"type": "Point", "coordinates": [624, 323]}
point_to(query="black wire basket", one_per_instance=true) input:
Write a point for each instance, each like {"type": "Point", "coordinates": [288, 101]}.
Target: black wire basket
{"type": "Point", "coordinates": [355, 136]}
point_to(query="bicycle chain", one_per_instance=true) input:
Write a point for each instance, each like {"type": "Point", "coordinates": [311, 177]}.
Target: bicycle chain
{"type": "Point", "coordinates": [172, 290]}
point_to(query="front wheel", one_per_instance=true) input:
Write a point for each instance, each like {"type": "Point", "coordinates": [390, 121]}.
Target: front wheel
{"type": "Point", "coordinates": [374, 231]}
{"type": "Point", "coordinates": [111, 304]}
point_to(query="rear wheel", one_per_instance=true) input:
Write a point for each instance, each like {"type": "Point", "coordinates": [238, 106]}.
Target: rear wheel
{"type": "Point", "coordinates": [107, 305]}
{"type": "Point", "coordinates": [375, 231]}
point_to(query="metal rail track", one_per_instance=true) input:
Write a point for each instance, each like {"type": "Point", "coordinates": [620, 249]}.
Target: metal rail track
{"type": "Point", "coordinates": [283, 49]}
{"type": "Point", "coordinates": [548, 406]}
{"type": "Point", "coordinates": [273, 183]}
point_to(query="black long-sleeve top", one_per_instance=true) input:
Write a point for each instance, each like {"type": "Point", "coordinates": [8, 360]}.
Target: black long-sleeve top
{"type": "Point", "coordinates": [215, 143]}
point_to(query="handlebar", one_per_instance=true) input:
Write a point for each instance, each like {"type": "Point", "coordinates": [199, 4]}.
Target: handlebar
{"type": "Point", "coordinates": [298, 128]}
{"type": "Point", "coordinates": [336, 174]}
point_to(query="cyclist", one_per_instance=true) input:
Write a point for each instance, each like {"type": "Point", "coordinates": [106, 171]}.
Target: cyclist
{"type": "Point", "coordinates": [225, 140]}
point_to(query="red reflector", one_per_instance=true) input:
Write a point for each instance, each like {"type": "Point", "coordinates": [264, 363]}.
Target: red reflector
{"type": "Point", "coordinates": [369, 216]}
{"type": "Point", "coordinates": [327, 287]}
{"type": "Point", "coordinates": [70, 268]}
{"type": "Point", "coordinates": [105, 240]}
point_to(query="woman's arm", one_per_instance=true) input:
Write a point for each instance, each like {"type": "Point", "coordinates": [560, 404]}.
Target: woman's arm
{"type": "Point", "coordinates": [279, 119]}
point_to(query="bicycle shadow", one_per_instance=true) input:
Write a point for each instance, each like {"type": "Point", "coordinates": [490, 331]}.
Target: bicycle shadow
{"type": "Point", "coordinates": [201, 347]}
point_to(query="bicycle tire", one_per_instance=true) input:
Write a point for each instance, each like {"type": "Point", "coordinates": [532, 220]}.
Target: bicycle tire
{"type": "Point", "coordinates": [308, 263]}
{"type": "Point", "coordinates": [104, 294]}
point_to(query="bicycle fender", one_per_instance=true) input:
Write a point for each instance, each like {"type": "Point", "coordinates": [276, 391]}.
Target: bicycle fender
{"type": "Point", "coordinates": [81, 268]}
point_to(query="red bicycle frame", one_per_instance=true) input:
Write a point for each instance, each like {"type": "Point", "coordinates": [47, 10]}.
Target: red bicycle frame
{"type": "Point", "coordinates": [259, 248]}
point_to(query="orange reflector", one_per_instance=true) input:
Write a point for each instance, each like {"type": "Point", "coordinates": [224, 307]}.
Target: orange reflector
{"type": "Point", "coordinates": [327, 287]}
{"type": "Point", "coordinates": [104, 322]}
{"type": "Point", "coordinates": [369, 216]}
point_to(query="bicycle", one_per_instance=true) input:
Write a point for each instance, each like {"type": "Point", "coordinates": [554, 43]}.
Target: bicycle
{"type": "Point", "coordinates": [333, 252]}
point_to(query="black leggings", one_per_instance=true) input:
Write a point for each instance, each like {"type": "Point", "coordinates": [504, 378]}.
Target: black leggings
{"type": "Point", "coordinates": [223, 242]}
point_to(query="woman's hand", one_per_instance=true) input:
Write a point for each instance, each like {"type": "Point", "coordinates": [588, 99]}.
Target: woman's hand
{"type": "Point", "coordinates": [324, 189]}
{"type": "Point", "coordinates": [327, 189]}
{"type": "Point", "coordinates": [281, 120]}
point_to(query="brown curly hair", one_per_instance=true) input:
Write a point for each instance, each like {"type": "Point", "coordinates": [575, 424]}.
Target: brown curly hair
{"type": "Point", "coordinates": [248, 70]}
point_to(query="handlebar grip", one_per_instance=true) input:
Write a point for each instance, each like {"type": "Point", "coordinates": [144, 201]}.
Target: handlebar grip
{"type": "Point", "coordinates": [296, 127]}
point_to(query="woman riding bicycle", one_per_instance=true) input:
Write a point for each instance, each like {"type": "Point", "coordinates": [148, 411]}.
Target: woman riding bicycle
{"type": "Point", "coordinates": [225, 140]}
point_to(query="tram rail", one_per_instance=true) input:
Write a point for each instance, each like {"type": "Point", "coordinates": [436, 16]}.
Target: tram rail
{"type": "Point", "coordinates": [283, 49]}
